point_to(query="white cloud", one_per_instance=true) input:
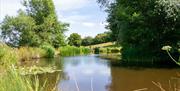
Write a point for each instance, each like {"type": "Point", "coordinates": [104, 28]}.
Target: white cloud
{"type": "Point", "coordinates": [78, 18]}
{"type": "Point", "coordinates": [89, 24]}
{"type": "Point", "coordinates": [9, 7]}
{"type": "Point", "coordinates": [65, 5]}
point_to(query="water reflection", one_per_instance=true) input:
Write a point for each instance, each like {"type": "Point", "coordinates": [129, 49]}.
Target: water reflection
{"type": "Point", "coordinates": [87, 72]}
{"type": "Point", "coordinates": [47, 81]}
{"type": "Point", "coordinates": [124, 79]}
{"type": "Point", "coordinates": [90, 71]}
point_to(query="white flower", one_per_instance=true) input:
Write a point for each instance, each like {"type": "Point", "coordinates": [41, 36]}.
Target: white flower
{"type": "Point", "coordinates": [166, 48]}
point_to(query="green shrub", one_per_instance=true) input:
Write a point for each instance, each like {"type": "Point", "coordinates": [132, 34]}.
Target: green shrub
{"type": "Point", "coordinates": [73, 51]}
{"type": "Point", "coordinates": [50, 51]}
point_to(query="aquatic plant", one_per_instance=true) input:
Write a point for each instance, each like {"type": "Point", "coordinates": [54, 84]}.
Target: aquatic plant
{"type": "Point", "coordinates": [13, 81]}
{"type": "Point", "coordinates": [73, 51]}
{"type": "Point", "coordinates": [34, 70]}
{"type": "Point", "coordinates": [24, 79]}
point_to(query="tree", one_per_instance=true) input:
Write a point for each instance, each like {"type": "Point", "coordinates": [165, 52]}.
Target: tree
{"type": "Point", "coordinates": [87, 41]}
{"type": "Point", "coordinates": [102, 38]}
{"type": "Point", "coordinates": [74, 39]}
{"type": "Point", "coordinates": [19, 31]}
{"type": "Point", "coordinates": [42, 26]}
{"type": "Point", "coordinates": [142, 27]}
{"type": "Point", "coordinates": [49, 29]}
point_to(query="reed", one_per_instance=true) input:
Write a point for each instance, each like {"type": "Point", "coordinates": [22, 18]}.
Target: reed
{"type": "Point", "coordinates": [8, 56]}
{"type": "Point", "coordinates": [13, 81]}
{"type": "Point", "coordinates": [50, 51]}
{"type": "Point", "coordinates": [28, 53]}
{"type": "Point", "coordinates": [26, 79]}
{"type": "Point", "coordinates": [73, 51]}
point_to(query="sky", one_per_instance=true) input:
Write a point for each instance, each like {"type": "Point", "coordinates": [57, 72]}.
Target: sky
{"type": "Point", "coordinates": [84, 16]}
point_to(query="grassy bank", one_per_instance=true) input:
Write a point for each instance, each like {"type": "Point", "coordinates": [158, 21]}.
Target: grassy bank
{"type": "Point", "coordinates": [107, 50]}
{"type": "Point", "coordinates": [112, 56]}
{"type": "Point", "coordinates": [13, 55]}
{"type": "Point", "coordinates": [15, 78]}
{"type": "Point", "coordinates": [73, 51]}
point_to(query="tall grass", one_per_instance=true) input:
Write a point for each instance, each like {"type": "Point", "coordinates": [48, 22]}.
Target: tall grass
{"type": "Point", "coordinates": [50, 51]}
{"type": "Point", "coordinates": [73, 51]}
{"type": "Point", "coordinates": [28, 53]}
{"type": "Point", "coordinates": [8, 56]}
{"type": "Point", "coordinates": [13, 81]}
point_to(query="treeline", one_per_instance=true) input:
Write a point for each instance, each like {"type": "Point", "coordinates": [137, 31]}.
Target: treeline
{"type": "Point", "coordinates": [76, 40]}
{"type": "Point", "coordinates": [143, 27]}
{"type": "Point", "coordinates": [35, 26]}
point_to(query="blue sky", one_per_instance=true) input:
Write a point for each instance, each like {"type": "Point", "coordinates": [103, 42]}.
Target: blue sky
{"type": "Point", "coordinates": [84, 16]}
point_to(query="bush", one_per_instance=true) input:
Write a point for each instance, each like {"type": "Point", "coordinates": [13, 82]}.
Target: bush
{"type": "Point", "coordinates": [50, 51]}
{"type": "Point", "coordinates": [73, 51]}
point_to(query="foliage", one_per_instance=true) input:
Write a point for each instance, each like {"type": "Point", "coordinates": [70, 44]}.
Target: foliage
{"type": "Point", "coordinates": [102, 38]}
{"type": "Point", "coordinates": [19, 31]}
{"type": "Point", "coordinates": [50, 51]}
{"type": "Point", "coordinates": [73, 51]}
{"type": "Point", "coordinates": [74, 40]}
{"type": "Point", "coordinates": [98, 39]}
{"type": "Point", "coordinates": [37, 25]}
{"type": "Point", "coordinates": [108, 44]}
{"type": "Point", "coordinates": [110, 50]}
{"type": "Point", "coordinates": [144, 26]}
{"type": "Point", "coordinates": [87, 41]}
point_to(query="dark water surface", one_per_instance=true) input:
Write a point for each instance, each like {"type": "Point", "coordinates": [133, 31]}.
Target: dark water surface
{"type": "Point", "coordinates": [90, 73]}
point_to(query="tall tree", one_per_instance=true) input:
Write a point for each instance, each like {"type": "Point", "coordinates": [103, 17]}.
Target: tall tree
{"type": "Point", "coordinates": [49, 29]}
{"type": "Point", "coordinates": [102, 38]}
{"type": "Point", "coordinates": [142, 27]}
{"type": "Point", "coordinates": [37, 25]}
{"type": "Point", "coordinates": [75, 39]}
{"type": "Point", "coordinates": [19, 31]}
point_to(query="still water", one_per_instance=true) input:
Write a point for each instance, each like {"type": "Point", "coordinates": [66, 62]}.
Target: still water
{"type": "Point", "coordinates": [91, 73]}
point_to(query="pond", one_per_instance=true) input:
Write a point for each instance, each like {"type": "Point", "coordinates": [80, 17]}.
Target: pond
{"type": "Point", "coordinates": [91, 73]}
